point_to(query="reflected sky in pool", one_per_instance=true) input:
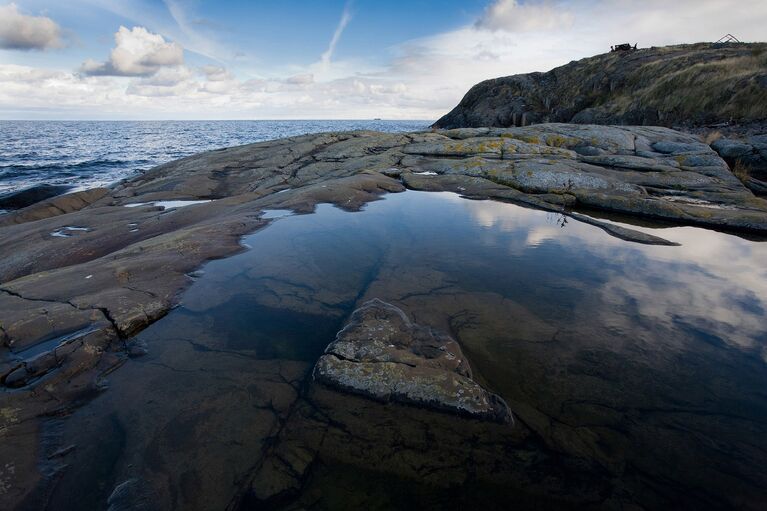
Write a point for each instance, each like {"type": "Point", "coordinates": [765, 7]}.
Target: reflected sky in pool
{"type": "Point", "coordinates": [648, 361]}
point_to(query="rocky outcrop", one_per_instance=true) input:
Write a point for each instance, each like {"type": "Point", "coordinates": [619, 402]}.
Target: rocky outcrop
{"type": "Point", "coordinates": [685, 85]}
{"type": "Point", "coordinates": [644, 171]}
{"type": "Point", "coordinates": [748, 158]}
{"type": "Point", "coordinates": [32, 195]}
{"type": "Point", "coordinates": [55, 206]}
{"type": "Point", "coordinates": [82, 273]}
{"type": "Point", "coordinates": [85, 259]}
{"type": "Point", "coordinates": [381, 355]}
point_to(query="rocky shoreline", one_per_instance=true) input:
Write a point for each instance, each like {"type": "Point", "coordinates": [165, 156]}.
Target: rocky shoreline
{"type": "Point", "coordinates": [83, 273]}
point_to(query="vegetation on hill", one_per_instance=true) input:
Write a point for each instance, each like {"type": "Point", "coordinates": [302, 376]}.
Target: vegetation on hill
{"type": "Point", "coordinates": [685, 85]}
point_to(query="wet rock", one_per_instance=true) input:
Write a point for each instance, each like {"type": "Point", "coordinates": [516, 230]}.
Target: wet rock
{"type": "Point", "coordinates": [60, 453]}
{"type": "Point", "coordinates": [137, 348]}
{"type": "Point", "coordinates": [131, 495]}
{"type": "Point", "coordinates": [338, 448]}
{"type": "Point", "coordinates": [16, 378]}
{"type": "Point", "coordinates": [32, 195]}
{"type": "Point", "coordinates": [381, 355]}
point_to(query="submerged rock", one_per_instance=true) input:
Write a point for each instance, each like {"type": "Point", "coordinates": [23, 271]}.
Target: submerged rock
{"type": "Point", "coordinates": [382, 355]}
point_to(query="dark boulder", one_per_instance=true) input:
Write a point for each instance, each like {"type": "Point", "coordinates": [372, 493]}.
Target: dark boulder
{"type": "Point", "coordinates": [32, 195]}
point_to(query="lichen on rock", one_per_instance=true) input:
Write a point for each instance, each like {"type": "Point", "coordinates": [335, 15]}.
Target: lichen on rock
{"type": "Point", "coordinates": [382, 355]}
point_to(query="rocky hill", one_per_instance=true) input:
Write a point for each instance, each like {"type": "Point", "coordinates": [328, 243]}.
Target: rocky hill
{"type": "Point", "coordinates": [687, 85]}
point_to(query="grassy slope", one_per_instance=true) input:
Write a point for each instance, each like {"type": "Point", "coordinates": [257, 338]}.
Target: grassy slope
{"type": "Point", "coordinates": [686, 84]}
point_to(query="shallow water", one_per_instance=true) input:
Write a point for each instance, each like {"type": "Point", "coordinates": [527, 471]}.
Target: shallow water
{"type": "Point", "coordinates": [167, 204]}
{"type": "Point", "coordinates": [636, 373]}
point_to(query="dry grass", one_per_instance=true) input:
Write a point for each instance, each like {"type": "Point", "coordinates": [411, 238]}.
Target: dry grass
{"type": "Point", "coordinates": [711, 137]}
{"type": "Point", "coordinates": [722, 88]}
{"type": "Point", "coordinates": [741, 171]}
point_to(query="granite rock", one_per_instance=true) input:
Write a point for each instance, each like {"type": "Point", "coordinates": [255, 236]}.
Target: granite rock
{"type": "Point", "coordinates": [382, 355]}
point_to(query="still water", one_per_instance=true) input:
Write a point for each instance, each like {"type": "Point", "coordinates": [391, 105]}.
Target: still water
{"type": "Point", "coordinates": [636, 373]}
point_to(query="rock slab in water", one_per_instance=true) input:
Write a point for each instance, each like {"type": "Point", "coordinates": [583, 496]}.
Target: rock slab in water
{"type": "Point", "coordinates": [382, 355]}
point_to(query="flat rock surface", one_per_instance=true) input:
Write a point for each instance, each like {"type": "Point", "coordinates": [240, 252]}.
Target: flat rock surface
{"type": "Point", "coordinates": [81, 273]}
{"type": "Point", "coordinates": [382, 355]}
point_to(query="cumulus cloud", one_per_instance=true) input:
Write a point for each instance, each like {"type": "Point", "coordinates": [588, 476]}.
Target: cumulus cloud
{"type": "Point", "coordinates": [513, 16]}
{"type": "Point", "coordinates": [23, 32]}
{"type": "Point", "coordinates": [137, 52]}
{"type": "Point", "coordinates": [419, 79]}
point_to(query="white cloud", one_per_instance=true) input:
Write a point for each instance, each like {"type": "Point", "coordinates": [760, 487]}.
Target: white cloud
{"type": "Point", "coordinates": [300, 79]}
{"type": "Point", "coordinates": [137, 52]}
{"type": "Point", "coordinates": [168, 76]}
{"type": "Point", "coordinates": [421, 79]}
{"type": "Point", "coordinates": [23, 32]}
{"type": "Point", "coordinates": [512, 16]}
{"type": "Point", "coordinates": [216, 73]}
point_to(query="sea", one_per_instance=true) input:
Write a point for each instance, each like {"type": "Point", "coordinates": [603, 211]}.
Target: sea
{"type": "Point", "coordinates": [87, 154]}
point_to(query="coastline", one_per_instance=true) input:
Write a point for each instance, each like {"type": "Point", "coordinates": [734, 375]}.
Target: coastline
{"type": "Point", "coordinates": [118, 269]}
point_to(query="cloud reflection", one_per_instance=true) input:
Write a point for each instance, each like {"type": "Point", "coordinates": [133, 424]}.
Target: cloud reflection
{"type": "Point", "coordinates": [714, 284]}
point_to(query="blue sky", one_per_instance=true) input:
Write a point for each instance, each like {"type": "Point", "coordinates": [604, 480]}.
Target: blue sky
{"type": "Point", "coordinates": [269, 34]}
{"type": "Point", "coordinates": [116, 59]}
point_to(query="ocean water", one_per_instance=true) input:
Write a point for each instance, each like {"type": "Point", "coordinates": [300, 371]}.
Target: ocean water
{"type": "Point", "coordinates": [86, 154]}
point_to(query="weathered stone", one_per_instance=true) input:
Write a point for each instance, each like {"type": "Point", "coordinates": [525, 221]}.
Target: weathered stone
{"type": "Point", "coordinates": [16, 378]}
{"type": "Point", "coordinates": [728, 148]}
{"type": "Point", "coordinates": [29, 196]}
{"type": "Point", "coordinates": [380, 354]}
{"type": "Point", "coordinates": [56, 206]}
{"type": "Point", "coordinates": [126, 270]}
{"type": "Point", "coordinates": [745, 155]}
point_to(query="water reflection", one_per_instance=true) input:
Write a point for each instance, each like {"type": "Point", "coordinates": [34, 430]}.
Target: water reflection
{"type": "Point", "coordinates": [712, 279]}
{"type": "Point", "coordinates": [636, 372]}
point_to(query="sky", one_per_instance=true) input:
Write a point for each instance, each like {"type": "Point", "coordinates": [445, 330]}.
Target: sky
{"type": "Point", "coordinates": [329, 59]}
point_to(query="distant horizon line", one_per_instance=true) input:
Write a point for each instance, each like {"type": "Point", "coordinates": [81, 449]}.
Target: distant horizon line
{"type": "Point", "coordinates": [213, 120]}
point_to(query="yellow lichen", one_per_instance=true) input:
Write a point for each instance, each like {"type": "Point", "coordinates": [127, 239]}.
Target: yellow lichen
{"type": "Point", "coordinates": [8, 417]}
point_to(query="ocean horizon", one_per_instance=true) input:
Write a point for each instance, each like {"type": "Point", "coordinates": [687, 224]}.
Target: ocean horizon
{"type": "Point", "coordinates": [91, 153]}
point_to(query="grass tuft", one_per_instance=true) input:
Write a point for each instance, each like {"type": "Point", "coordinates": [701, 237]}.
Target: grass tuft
{"type": "Point", "coordinates": [741, 171]}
